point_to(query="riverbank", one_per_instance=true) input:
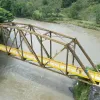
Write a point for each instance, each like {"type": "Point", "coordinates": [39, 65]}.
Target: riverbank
{"type": "Point", "coordinates": [82, 91]}
{"type": "Point", "coordinates": [82, 23]}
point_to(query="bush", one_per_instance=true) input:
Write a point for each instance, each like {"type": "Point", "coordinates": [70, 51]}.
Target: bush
{"type": "Point", "coordinates": [81, 91]}
{"type": "Point", "coordinates": [5, 16]}
{"type": "Point", "coordinates": [46, 11]}
{"type": "Point", "coordinates": [98, 66]}
{"type": "Point", "coordinates": [37, 15]}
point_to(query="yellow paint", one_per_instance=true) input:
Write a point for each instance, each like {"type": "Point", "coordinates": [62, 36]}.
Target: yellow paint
{"type": "Point", "coordinates": [54, 64]}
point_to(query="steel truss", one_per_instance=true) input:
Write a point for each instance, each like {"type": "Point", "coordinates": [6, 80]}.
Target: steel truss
{"type": "Point", "coordinates": [22, 30]}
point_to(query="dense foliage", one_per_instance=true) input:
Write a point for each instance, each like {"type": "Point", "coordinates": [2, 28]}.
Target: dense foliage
{"type": "Point", "coordinates": [88, 10]}
{"type": "Point", "coordinates": [81, 90]}
{"type": "Point", "coordinates": [5, 16]}
{"type": "Point", "coordinates": [85, 10]}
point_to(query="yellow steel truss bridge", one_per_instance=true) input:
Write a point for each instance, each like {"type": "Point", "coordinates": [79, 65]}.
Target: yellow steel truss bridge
{"type": "Point", "coordinates": [18, 36]}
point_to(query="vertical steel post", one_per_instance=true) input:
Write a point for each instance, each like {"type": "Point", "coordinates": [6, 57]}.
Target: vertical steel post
{"type": "Point", "coordinates": [67, 54]}
{"type": "Point", "coordinates": [81, 64]}
{"type": "Point", "coordinates": [73, 61]}
{"type": "Point", "coordinates": [22, 41]}
{"type": "Point", "coordinates": [41, 52]}
{"type": "Point", "coordinates": [21, 47]}
{"type": "Point", "coordinates": [17, 47]}
{"type": "Point", "coordinates": [31, 37]}
{"type": "Point", "coordinates": [50, 46]}
{"type": "Point", "coordinates": [43, 47]}
{"type": "Point", "coordinates": [31, 40]}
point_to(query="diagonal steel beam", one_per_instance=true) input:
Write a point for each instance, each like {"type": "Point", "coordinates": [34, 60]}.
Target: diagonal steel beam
{"type": "Point", "coordinates": [89, 59]}
{"type": "Point", "coordinates": [81, 64]}
{"type": "Point", "coordinates": [55, 55]}
{"type": "Point", "coordinates": [40, 43]}
{"type": "Point", "coordinates": [13, 40]}
{"type": "Point", "coordinates": [29, 46]}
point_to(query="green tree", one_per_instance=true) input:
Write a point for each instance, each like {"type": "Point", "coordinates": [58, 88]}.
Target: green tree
{"type": "Point", "coordinates": [5, 16]}
{"type": "Point", "coordinates": [7, 4]}
{"type": "Point", "coordinates": [18, 9]}
{"type": "Point", "coordinates": [27, 9]}
{"type": "Point", "coordinates": [37, 15]}
{"type": "Point", "coordinates": [67, 3]}
{"type": "Point", "coordinates": [75, 9]}
{"type": "Point", "coordinates": [98, 16]}
{"type": "Point", "coordinates": [45, 2]}
{"type": "Point", "coordinates": [47, 11]}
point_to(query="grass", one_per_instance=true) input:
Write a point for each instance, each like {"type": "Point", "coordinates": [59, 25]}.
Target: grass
{"type": "Point", "coordinates": [81, 91]}
{"type": "Point", "coordinates": [85, 24]}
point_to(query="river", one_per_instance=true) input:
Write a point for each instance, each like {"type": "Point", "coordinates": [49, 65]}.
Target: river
{"type": "Point", "coordinates": [22, 81]}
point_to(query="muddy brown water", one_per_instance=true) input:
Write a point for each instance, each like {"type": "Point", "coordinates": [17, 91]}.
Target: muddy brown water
{"type": "Point", "coordinates": [22, 81]}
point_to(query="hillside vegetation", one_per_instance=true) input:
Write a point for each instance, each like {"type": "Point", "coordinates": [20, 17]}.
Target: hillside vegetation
{"type": "Point", "coordinates": [59, 10]}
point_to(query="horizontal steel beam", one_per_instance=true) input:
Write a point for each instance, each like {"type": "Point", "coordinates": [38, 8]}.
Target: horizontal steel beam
{"type": "Point", "coordinates": [37, 34]}
{"type": "Point", "coordinates": [53, 32]}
